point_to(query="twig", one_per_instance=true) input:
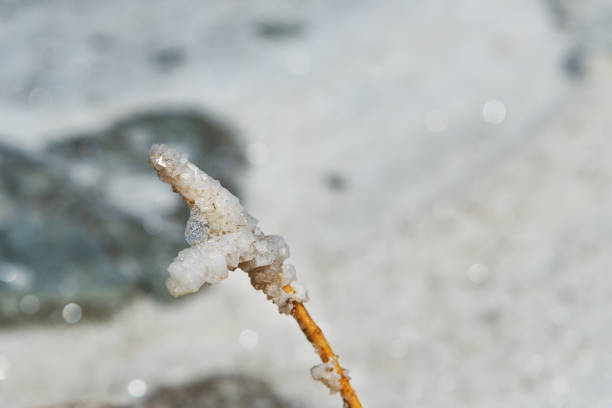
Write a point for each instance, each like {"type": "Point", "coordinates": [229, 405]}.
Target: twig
{"type": "Point", "coordinates": [315, 336]}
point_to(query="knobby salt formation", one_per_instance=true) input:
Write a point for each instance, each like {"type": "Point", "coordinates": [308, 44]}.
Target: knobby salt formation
{"type": "Point", "coordinates": [223, 237]}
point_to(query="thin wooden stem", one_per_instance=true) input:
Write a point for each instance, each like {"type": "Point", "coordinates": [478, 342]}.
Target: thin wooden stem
{"type": "Point", "coordinates": [315, 336]}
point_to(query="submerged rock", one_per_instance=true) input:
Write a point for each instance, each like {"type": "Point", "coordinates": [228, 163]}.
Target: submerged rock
{"type": "Point", "coordinates": [49, 261]}
{"type": "Point", "coordinates": [114, 162]}
{"type": "Point", "coordinates": [123, 147]}
{"type": "Point", "coordinates": [87, 405]}
{"type": "Point", "coordinates": [234, 391]}
{"type": "Point", "coordinates": [80, 223]}
{"type": "Point", "coordinates": [49, 253]}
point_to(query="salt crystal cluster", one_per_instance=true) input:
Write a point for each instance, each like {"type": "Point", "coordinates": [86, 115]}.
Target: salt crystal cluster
{"type": "Point", "coordinates": [222, 236]}
{"type": "Point", "coordinates": [327, 374]}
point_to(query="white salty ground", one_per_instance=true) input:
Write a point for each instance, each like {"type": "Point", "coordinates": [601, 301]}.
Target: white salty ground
{"type": "Point", "coordinates": [466, 267]}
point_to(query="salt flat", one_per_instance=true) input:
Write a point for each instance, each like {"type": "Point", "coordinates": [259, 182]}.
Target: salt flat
{"type": "Point", "coordinates": [442, 180]}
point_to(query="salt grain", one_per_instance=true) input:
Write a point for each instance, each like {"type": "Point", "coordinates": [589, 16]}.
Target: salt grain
{"type": "Point", "coordinates": [327, 374]}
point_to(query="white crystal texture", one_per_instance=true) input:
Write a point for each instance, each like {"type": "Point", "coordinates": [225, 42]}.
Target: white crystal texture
{"type": "Point", "coordinates": [222, 236]}
{"type": "Point", "coordinates": [327, 374]}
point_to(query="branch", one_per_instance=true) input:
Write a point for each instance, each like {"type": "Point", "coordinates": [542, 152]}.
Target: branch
{"type": "Point", "coordinates": [315, 336]}
{"type": "Point", "coordinates": [223, 237]}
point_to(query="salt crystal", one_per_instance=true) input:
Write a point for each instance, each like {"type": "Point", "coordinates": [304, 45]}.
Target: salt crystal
{"type": "Point", "coordinates": [327, 374]}
{"type": "Point", "coordinates": [222, 236]}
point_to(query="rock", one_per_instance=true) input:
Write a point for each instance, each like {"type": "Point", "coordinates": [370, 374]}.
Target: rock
{"type": "Point", "coordinates": [167, 59]}
{"type": "Point", "coordinates": [123, 146]}
{"type": "Point", "coordinates": [81, 223]}
{"type": "Point", "coordinates": [114, 162]}
{"type": "Point", "coordinates": [87, 405]}
{"type": "Point", "coordinates": [49, 256]}
{"type": "Point", "coordinates": [233, 391]}
{"type": "Point", "coordinates": [589, 25]}
{"type": "Point", "coordinates": [48, 261]}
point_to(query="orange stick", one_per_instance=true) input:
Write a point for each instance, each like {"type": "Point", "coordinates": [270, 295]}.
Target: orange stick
{"type": "Point", "coordinates": [315, 336]}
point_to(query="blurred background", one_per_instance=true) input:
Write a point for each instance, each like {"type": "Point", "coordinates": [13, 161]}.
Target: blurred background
{"type": "Point", "coordinates": [440, 169]}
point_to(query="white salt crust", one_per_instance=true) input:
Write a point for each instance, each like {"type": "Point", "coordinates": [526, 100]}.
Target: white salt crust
{"type": "Point", "coordinates": [327, 374]}
{"type": "Point", "coordinates": [222, 236]}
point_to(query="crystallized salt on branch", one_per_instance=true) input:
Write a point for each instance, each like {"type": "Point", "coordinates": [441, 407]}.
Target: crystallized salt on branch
{"type": "Point", "coordinates": [222, 236]}
{"type": "Point", "coordinates": [327, 374]}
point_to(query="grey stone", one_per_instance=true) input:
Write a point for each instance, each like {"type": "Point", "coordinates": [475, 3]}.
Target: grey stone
{"type": "Point", "coordinates": [115, 163]}
{"type": "Point", "coordinates": [47, 249]}
{"type": "Point", "coordinates": [124, 145]}
{"type": "Point", "coordinates": [72, 229]}
{"type": "Point", "coordinates": [233, 391]}
{"type": "Point", "coordinates": [86, 405]}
